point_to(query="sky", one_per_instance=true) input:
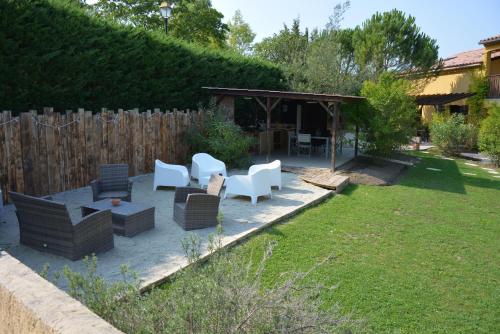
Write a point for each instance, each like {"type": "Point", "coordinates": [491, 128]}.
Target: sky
{"type": "Point", "coordinates": [457, 25]}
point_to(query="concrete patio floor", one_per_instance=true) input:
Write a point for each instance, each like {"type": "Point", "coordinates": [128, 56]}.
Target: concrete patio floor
{"type": "Point", "coordinates": [315, 160]}
{"type": "Point", "coordinates": [157, 253]}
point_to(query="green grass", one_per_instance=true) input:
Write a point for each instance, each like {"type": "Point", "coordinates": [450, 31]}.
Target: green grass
{"type": "Point", "coordinates": [422, 256]}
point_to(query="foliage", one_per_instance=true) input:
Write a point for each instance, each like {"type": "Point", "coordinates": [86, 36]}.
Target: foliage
{"type": "Point", "coordinates": [330, 64]}
{"type": "Point", "coordinates": [221, 139]}
{"type": "Point", "coordinates": [221, 296]}
{"type": "Point", "coordinates": [390, 120]}
{"type": "Point", "coordinates": [489, 134]}
{"type": "Point", "coordinates": [393, 41]}
{"type": "Point", "coordinates": [288, 48]}
{"type": "Point", "coordinates": [401, 251]}
{"type": "Point", "coordinates": [335, 60]}
{"type": "Point", "coordinates": [192, 20]}
{"type": "Point", "coordinates": [241, 36]}
{"type": "Point", "coordinates": [52, 53]}
{"type": "Point", "coordinates": [451, 134]}
{"type": "Point", "coordinates": [477, 112]}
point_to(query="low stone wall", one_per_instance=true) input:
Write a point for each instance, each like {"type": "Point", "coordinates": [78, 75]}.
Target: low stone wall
{"type": "Point", "coordinates": [30, 304]}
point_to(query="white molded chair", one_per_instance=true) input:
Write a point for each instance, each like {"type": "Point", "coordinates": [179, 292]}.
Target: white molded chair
{"type": "Point", "coordinates": [275, 172]}
{"type": "Point", "coordinates": [252, 185]}
{"type": "Point", "coordinates": [304, 143]}
{"type": "Point", "coordinates": [170, 175]}
{"type": "Point", "coordinates": [205, 165]}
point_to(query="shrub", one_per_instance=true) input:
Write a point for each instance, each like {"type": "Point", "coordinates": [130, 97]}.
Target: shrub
{"type": "Point", "coordinates": [489, 134]}
{"type": "Point", "coordinates": [221, 139]}
{"type": "Point", "coordinates": [54, 53]}
{"type": "Point", "coordinates": [390, 119]}
{"type": "Point", "coordinates": [451, 134]}
{"type": "Point", "coordinates": [220, 296]}
{"type": "Point", "coordinates": [477, 112]}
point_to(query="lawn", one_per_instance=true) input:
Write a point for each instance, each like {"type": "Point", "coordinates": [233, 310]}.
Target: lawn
{"type": "Point", "coordinates": [422, 256]}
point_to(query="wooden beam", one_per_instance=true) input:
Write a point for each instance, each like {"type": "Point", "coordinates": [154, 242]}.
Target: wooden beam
{"type": "Point", "coordinates": [326, 108]}
{"type": "Point", "coordinates": [261, 103]}
{"type": "Point", "coordinates": [219, 98]}
{"type": "Point", "coordinates": [335, 121]}
{"type": "Point", "coordinates": [356, 141]}
{"type": "Point", "coordinates": [268, 127]}
{"type": "Point", "coordinates": [278, 100]}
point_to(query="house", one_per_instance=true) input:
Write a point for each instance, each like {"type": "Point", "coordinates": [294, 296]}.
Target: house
{"type": "Point", "coordinates": [449, 88]}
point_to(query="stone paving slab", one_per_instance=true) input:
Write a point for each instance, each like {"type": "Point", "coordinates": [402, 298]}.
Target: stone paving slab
{"type": "Point", "coordinates": [157, 253]}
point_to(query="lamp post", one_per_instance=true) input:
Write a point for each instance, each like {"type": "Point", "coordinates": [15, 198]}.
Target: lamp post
{"type": "Point", "coordinates": [166, 12]}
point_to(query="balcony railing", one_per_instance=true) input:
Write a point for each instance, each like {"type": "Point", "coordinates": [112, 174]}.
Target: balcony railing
{"type": "Point", "coordinates": [494, 86]}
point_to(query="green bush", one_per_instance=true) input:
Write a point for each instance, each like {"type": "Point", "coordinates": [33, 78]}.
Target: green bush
{"type": "Point", "coordinates": [221, 139]}
{"type": "Point", "coordinates": [452, 135]}
{"type": "Point", "coordinates": [54, 53]}
{"type": "Point", "coordinates": [489, 134]}
{"type": "Point", "coordinates": [390, 115]}
{"type": "Point", "coordinates": [223, 295]}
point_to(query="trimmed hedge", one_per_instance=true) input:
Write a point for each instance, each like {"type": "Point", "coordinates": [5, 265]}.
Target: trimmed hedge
{"type": "Point", "coordinates": [53, 53]}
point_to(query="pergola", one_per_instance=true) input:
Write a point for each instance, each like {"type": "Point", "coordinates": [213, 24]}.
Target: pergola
{"type": "Point", "coordinates": [269, 99]}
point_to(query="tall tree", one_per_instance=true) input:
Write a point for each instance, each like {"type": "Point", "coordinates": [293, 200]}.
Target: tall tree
{"type": "Point", "coordinates": [193, 20]}
{"type": "Point", "coordinates": [393, 41]}
{"type": "Point", "coordinates": [287, 48]}
{"type": "Point", "coordinates": [241, 36]}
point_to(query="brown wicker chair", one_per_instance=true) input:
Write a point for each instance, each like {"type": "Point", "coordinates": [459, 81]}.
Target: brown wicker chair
{"type": "Point", "coordinates": [46, 226]}
{"type": "Point", "coordinates": [196, 208]}
{"type": "Point", "coordinates": [113, 183]}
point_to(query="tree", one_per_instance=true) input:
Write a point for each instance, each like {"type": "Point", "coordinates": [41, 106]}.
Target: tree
{"type": "Point", "coordinates": [193, 20]}
{"type": "Point", "coordinates": [241, 36]}
{"type": "Point", "coordinates": [392, 41]}
{"type": "Point", "coordinates": [289, 49]}
{"type": "Point", "coordinates": [391, 117]}
{"type": "Point", "coordinates": [330, 65]}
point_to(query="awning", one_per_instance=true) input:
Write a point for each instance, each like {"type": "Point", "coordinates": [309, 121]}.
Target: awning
{"type": "Point", "coordinates": [439, 99]}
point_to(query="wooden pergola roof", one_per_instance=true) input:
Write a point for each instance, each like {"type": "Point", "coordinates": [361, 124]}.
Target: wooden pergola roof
{"type": "Point", "coordinates": [282, 94]}
{"type": "Point", "coordinates": [269, 99]}
{"type": "Point", "coordinates": [439, 99]}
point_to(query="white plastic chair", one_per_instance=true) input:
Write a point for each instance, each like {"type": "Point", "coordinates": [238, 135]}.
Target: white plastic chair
{"type": "Point", "coordinates": [275, 172]}
{"type": "Point", "coordinates": [252, 185]}
{"type": "Point", "coordinates": [170, 175]}
{"type": "Point", "coordinates": [205, 165]}
{"type": "Point", "coordinates": [303, 142]}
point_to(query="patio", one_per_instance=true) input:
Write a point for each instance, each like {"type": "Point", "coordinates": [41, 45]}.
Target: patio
{"type": "Point", "coordinates": [315, 160]}
{"type": "Point", "coordinates": [157, 253]}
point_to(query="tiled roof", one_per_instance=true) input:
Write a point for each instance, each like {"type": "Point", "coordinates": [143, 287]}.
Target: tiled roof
{"type": "Point", "coordinates": [467, 59]}
{"type": "Point", "coordinates": [491, 39]}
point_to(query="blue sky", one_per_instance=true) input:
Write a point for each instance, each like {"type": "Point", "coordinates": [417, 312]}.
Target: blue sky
{"type": "Point", "coordinates": [457, 25]}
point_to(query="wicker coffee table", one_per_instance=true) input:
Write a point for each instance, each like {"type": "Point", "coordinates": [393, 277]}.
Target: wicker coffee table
{"type": "Point", "coordinates": [129, 219]}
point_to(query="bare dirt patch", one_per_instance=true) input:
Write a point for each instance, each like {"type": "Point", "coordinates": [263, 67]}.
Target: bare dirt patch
{"type": "Point", "coordinates": [365, 170]}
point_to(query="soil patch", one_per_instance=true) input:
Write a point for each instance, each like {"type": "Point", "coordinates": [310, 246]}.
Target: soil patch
{"type": "Point", "coordinates": [365, 170]}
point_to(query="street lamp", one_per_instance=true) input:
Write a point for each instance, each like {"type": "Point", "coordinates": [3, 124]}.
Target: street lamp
{"type": "Point", "coordinates": [166, 12]}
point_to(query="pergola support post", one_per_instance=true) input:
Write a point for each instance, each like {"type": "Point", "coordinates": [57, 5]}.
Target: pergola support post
{"type": "Point", "coordinates": [268, 127]}
{"type": "Point", "coordinates": [356, 141]}
{"type": "Point", "coordinates": [335, 121]}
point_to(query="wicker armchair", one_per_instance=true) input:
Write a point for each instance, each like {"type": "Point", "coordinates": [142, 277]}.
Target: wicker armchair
{"type": "Point", "coordinates": [46, 226]}
{"type": "Point", "coordinates": [196, 208]}
{"type": "Point", "coordinates": [113, 183]}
